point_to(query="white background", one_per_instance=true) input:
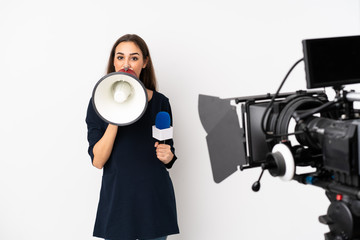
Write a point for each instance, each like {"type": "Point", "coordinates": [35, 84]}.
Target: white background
{"type": "Point", "coordinates": [53, 53]}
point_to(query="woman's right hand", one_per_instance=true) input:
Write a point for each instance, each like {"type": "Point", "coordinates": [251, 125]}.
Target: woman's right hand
{"type": "Point", "coordinates": [103, 148]}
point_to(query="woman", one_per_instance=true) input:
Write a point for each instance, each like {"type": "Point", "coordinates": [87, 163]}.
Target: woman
{"type": "Point", "coordinates": [137, 199]}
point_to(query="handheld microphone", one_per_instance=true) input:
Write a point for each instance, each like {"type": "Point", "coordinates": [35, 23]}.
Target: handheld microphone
{"type": "Point", "coordinates": [162, 129]}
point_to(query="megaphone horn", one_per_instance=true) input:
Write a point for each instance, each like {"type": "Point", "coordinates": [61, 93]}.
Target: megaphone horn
{"type": "Point", "coordinates": [120, 98]}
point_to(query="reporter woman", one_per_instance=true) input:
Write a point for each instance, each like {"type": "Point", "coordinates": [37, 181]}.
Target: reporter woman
{"type": "Point", "coordinates": [137, 199]}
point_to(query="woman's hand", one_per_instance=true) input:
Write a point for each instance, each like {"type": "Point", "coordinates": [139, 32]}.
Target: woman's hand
{"type": "Point", "coordinates": [163, 152]}
{"type": "Point", "coordinates": [104, 146]}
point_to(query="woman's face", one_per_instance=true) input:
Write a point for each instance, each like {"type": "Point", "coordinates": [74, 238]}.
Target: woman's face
{"type": "Point", "coordinates": [129, 55]}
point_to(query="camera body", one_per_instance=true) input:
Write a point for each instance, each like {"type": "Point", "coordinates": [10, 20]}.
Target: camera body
{"type": "Point", "coordinates": [284, 131]}
{"type": "Point", "coordinates": [305, 129]}
{"type": "Point", "coordinates": [325, 134]}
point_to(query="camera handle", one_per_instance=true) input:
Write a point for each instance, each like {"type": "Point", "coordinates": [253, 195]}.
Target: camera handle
{"type": "Point", "coordinates": [256, 186]}
{"type": "Point", "coordinates": [279, 163]}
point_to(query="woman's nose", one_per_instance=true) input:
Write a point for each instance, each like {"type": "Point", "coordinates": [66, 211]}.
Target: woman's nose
{"type": "Point", "coordinates": [126, 65]}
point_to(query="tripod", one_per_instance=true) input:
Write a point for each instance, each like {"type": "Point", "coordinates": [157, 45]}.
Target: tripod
{"type": "Point", "coordinates": [343, 217]}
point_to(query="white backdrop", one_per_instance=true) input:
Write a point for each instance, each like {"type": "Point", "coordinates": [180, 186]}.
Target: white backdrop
{"type": "Point", "coordinates": [53, 53]}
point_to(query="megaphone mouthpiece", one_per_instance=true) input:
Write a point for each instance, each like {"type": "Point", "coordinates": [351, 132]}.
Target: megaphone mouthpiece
{"type": "Point", "coordinates": [122, 91]}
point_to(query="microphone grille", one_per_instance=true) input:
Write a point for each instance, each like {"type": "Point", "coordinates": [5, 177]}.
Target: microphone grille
{"type": "Point", "coordinates": [162, 120]}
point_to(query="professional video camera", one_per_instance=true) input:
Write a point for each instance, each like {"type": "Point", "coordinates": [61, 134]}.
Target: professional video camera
{"type": "Point", "coordinates": [283, 131]}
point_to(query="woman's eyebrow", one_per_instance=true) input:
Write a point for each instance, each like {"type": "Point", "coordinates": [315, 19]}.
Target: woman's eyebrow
{"type": "Point", "coordinates": [120, 53]}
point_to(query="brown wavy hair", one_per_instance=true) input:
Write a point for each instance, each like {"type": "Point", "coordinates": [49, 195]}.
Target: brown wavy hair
{"type": "Point", "coordinates": [147, 75]}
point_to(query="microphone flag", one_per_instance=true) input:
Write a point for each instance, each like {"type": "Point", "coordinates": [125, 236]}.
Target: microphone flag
{"type": "Point", "coordinates": [162, 129]}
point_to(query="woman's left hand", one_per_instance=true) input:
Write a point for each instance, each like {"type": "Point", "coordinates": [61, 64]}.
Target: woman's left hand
{"type": "Point", "coordinates": [163, 152]}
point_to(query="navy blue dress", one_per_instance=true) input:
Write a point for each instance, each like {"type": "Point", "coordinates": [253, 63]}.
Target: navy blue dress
{"type": "Point", "coordinates": [137, 199]}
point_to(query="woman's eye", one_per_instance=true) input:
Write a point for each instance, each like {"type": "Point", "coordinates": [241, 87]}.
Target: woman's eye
{"type": "Point", "coordinates": [120, 58]}
{"type": "Point", "coordinates": [134, 58]}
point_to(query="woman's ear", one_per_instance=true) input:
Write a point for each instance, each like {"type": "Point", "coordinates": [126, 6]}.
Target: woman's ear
{"type": "Point", "coordinates": [146, 62]}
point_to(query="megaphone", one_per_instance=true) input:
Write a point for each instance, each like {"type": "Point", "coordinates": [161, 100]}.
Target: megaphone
{"type": "Point", "coordinates": [120, 98]}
